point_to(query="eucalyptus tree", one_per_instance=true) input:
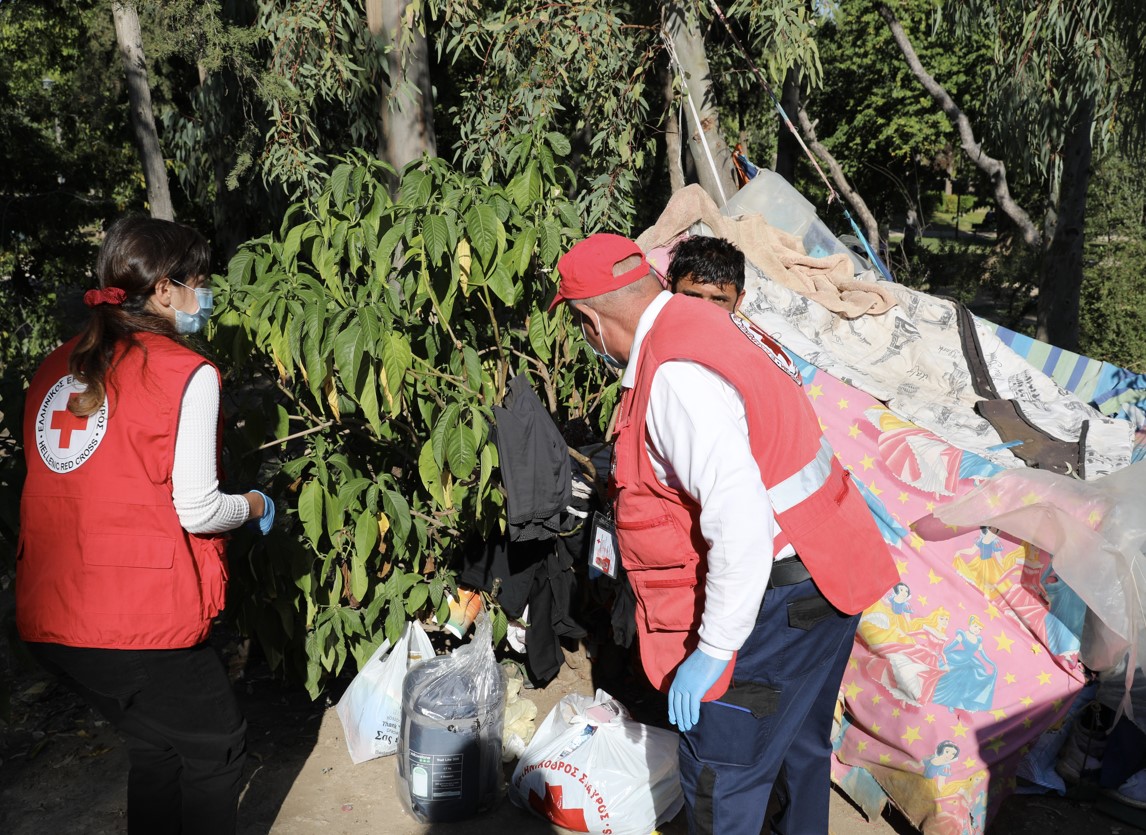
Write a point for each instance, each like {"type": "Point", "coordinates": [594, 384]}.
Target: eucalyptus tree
{"type": "Point", "coordinates": [589, 71]}
{"type": "Point", "coordinates": [1057, 86]}
{"type": "Point", "coordinates": [130, 39]}
{"type": "Point", "coordinates": [890, 141]}
{"type": "Point", "coordinates": [407, 112]}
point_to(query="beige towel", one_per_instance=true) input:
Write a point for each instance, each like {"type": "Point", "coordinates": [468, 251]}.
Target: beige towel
{"type": "Point", "coordinates": [829, 281]}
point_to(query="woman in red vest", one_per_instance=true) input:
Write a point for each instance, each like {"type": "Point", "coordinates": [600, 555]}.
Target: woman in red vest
{"type": "Point", "coordinates": [121, 566]}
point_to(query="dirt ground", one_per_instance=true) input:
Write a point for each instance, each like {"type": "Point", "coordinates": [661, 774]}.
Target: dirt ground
{"type": "Point", "coordinates": [63, 771]}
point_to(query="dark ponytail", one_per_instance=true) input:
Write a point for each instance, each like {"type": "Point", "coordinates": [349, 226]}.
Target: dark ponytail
{"type": "Point", "coordinates": [136, 253]}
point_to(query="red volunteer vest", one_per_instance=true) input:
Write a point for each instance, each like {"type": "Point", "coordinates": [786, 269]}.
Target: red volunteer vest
{"type": "Point", "coordinates": [103, 561]}
{"type": "Point", "coordinates": [816, 506]}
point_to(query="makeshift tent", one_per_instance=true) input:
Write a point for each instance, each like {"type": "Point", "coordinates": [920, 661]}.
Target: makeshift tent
{"type": "Point", "coordinates": [957, 672]}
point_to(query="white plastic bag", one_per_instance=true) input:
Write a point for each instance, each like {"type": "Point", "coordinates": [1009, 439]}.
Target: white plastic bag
{"type": "Point", "coordinates": [371, 707]}
{"type": "Point", "coordinates": [593, 768]}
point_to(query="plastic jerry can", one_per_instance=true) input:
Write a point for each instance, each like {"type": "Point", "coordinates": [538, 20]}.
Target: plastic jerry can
{"type": "Point", "coordinates": [449, 749]}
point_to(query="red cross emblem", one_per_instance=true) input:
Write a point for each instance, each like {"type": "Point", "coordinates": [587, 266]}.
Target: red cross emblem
{"type": "Point", "coordinates": [553, 807]}
{"type": "Point", "coordinates": [67, 423]}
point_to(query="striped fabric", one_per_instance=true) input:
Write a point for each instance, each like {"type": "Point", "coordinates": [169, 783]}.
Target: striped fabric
{"type": "Point", "coordinates": [1111, 389]}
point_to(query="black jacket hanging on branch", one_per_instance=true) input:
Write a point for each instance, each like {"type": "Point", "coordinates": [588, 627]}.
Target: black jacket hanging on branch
{"type": "Point", "coordinates": [534, 462]}
{"type": "Point", "coordinates": [528, 566]}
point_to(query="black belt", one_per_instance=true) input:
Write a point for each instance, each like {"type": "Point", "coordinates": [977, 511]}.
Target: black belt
{"type": "Point", "coordinates": [788, 572]}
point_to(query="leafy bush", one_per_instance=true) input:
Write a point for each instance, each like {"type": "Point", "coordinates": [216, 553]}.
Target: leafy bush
{"type": "Point", "coordinates": [1112, 319]}
{"type": "Point", "coordinates": [1112, 316]}
{"type": "Point", "coordinates": [372, 336]}
{"type": "Point", "coordinates": [938, 202]}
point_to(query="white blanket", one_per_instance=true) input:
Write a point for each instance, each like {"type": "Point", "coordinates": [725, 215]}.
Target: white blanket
{"type": "Point", "coordinates": [911, 358]}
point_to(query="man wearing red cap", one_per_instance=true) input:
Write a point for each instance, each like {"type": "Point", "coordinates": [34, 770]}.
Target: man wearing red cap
{"type": "Point", "coordinates": [748, 549]}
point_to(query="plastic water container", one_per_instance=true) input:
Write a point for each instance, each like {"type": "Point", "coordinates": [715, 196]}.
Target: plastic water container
{"type": "Point", "coordinates": [773, 198]}
{"type": "Point", "coordinates": [449, 749]}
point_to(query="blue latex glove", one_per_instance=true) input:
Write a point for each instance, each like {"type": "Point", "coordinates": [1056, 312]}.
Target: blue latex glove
{"type": "Point", "coordinates": [694, 677]}
{"type": "Point", "coordinates": [268, 518]}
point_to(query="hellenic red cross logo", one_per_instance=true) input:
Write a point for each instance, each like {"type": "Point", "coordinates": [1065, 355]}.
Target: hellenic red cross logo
{"type": "Point", "coordinates": [553, 807]}
{"type": "Point", "coordinates": [67, 423]}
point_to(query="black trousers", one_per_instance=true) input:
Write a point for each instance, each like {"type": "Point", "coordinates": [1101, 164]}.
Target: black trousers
{"type": "Point", "coordinates": [185, 734]}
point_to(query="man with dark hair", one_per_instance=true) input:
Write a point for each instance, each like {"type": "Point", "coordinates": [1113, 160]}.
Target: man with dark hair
{"type": "Point", "coordinates": [708, 268]}
{"type": "Point", "coordinates": [748, 548]}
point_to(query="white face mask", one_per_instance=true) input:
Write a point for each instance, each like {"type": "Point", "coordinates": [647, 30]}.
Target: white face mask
{"type": "Point", "coordinates": [604, 357]}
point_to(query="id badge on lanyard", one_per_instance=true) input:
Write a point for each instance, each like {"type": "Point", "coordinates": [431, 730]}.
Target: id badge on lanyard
{"type": "Point", "coordinates": [603, 553]}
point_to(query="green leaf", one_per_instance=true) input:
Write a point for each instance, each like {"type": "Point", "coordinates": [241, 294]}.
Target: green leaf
{"type": "Point", "coordinates": [239, 269]}
{"type": "Point", "coordinates": [500, 625]}
{"type": "Point", "coordinates": [350, 346]}
{"type": "Point", "coordinates": [430, 473]}
{"type": "Point", "coordinates": [383, 255]}
{"type": "Point", "coordinates": [351, 489]}
{"type": "Point", "coordinates": [291, 245]}
{"type": "Point", "coordinates": [339, 180]}
{"type": "Point", "coordinates": [351, 620]}
{"type": "Point", "coordinates": [416, 599]}
{"type": "Point", "coordinates": [539, 337]}
{"type": "Point", "coordinates": [483, 229]}
{"type": "Point", "coordinates": [500, 280]}
{"type": "Point", "coordinates": [282, 421]}
{"type": "Point", "coordinates": [446, 421]}
{"type": "Point", "coordinates": [473, 368]}
{"type": "Point", "coordinates": [398, 512]}
{"type": "Point", "coordinates": [365, 538]}
{"type": "Point", "coordinates": [518, 191]}
{"type": "Point", "coordinates": [533, 183]}
{"type": "Point", "coordinates": [550, 241]}
{"type": "Point", "coordinates": [310, 510]}
{"type": "Point", "coordinates": [334, 513]}
{"type": "Point", "coordinates": [395, 620]}
{"type": "Point", "coordinates": [436, 234]}
{"type": "Point", "coordinates": [524, 245]}
{"type": "Point", "coordinates": [359, 581]}
{"type": "Point", "coordinates": [368, 399]}
{"type": "Point", "coordinates": [416, 188]}
{"type": "Point", "coordinates": [461, 451]}
{"type": "Point", "coordinates": [396, 359]}
{"type": "Point", "coordinates": [559, 144]}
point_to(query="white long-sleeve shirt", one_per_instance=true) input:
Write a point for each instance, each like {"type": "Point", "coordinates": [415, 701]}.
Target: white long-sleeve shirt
{"type": "Point", "coordinates": [698, 442]}
{"type": "Point", "coordinates": [202, 508]}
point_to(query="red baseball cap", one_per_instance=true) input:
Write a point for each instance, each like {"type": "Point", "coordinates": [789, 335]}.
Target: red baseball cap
{"type": "Point", "coordinates": [587, 269]}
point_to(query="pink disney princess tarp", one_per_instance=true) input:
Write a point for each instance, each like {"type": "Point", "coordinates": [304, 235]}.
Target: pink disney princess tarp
{"type": "Point", "coordinates": [969, 658]}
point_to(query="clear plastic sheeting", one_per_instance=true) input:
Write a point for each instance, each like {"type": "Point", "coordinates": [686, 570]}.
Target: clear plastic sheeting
{"type": "Point", "coordinates": [449, 749]}
{"type": "Point", "coordinates": [1096, 532]}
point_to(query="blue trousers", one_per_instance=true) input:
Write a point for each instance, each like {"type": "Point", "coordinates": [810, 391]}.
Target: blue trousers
{"type": "Point", "coordinates": [773, 726]}
{"type": "Point", "coordinates": [184, 733]}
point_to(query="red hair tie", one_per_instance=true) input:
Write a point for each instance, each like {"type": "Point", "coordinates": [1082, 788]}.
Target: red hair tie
{"type": "Point", "coordinates": [106, 295]}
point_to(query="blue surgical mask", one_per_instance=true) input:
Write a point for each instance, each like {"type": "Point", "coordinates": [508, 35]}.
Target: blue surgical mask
{"type": "Point", "coordinates": [604, 357]}
{"type": "Point", "coordinates": [187, 323]}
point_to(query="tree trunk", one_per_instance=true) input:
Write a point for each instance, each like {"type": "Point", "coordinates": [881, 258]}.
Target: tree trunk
{"type": "Point", "coordinates": [1060, 279]}
{"type": "Point", "coordinates": [787, 148]}
{"type": "Point", "coordinates": [407, 115]}
{"type": "Point", "coordinates": [673, 146]}
{"type": "Point", "coordinates": [714, 163]}
{"type": "Point", "coordinates": [130, 41]}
